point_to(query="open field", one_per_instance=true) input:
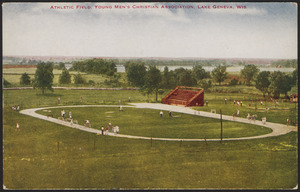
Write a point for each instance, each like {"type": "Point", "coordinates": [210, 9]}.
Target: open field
{"type": "Point", "coordinates": [44, 155]}
{"type": "Point", "coordinates": [13, 76]}
{"type": "Point", "coordinates": [146, 122]}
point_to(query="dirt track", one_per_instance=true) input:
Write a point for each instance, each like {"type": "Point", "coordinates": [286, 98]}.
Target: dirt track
{"type": "Point", "coordinates": [277, 129]}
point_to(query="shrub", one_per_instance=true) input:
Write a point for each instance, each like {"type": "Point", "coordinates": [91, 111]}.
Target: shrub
{"type": "Point", "coordinates": [233, 82]}
{"type": "Point", "coordinates": [91, 82]}
{"type": "Point", "coordinates": [25, 79]}
{"type": "Point", "coordinates": [78, 79]}
{"type": "Point", "coordinates": [6, 83]}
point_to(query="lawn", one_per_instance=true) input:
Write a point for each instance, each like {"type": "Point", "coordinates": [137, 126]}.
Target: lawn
{"type": "Point", "coordinates": [13, 75]}
{"type": "Point", "coordinates": [275, 113]}
{"type": "Point", "coordinates": [146, 122]}
{"type": "Point", "coordinates": [44, 155]}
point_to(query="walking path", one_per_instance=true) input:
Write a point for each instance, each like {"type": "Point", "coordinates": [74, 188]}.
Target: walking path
{"type": "Point", "coordinates": [277, 129]}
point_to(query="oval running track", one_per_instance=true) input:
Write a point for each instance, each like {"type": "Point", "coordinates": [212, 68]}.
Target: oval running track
{"type": "Point", "coordinates": [277, 129]}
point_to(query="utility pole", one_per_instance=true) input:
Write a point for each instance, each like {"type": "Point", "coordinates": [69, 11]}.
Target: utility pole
{"type": "Point", "coordinates": [221, 125]}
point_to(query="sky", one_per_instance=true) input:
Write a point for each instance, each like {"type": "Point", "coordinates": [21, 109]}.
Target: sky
{"type": "Point", "coordinates": [261, 30]}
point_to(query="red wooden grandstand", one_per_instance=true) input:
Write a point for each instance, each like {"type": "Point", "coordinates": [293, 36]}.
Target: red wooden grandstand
{"type": "Point", "coordinates": [186, 96]}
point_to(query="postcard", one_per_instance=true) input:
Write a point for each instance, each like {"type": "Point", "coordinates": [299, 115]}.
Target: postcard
{"type": "Point", "coordinates": [152, 95]}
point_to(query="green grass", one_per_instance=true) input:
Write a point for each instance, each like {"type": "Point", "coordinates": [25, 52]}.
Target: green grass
{"type": "Point", "coordinates": [70, 97]}
{"type": "Point", "coordinates": [13, 76]}
{"type": "Point", "coordinates": [31, 159]}
{"type": "Point", "coordinates": [276, 113]}
{"type": "Point", "coordinates": [146, 122]}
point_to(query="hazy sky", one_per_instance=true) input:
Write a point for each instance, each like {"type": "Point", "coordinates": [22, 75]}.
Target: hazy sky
{"type": "Point", "coordinates": [262, 30]}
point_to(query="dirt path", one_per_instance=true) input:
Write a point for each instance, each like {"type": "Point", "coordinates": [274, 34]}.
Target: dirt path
{"type": "Point", "coordinates": [277, 129]}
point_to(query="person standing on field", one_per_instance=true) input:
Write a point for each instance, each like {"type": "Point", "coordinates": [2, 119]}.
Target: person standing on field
{"type": "Point", "coordinates": [106, 131]}
{"type": "Point", "coordinates": [117, 129]}
{"type": "Point", "coordinates": [161, 114]}
{"type": "Point", "coordinates": [63, 114]}
{"type": "Point", "coordinates": [17, 126]}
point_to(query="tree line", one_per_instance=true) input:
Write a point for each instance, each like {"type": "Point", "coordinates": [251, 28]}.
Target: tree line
{"type": "Point", "coordinates": [95, 66]}
{"type": "Point", "coordinates": [285, 63]}
{"type": "Point", "coordinates": [151, 80]}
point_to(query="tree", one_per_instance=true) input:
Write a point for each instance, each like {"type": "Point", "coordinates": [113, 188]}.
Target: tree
{"type": "Point", "coordinates": [78, 79]}
{"type": "Point", "coordinates": [206, 85]}
{"type": "Point", "coordinates": [219, 74]}
{"type": "Point", "coordinates": [25, 79]}
{"type": "Point", "coordinates": [249, 72]}
{"type": "Point", "coordinates": [61, 66]}
{"type": "Point", "coordinates": [136, 73]}
{"type": "Point", "coordinates": [152, 81]}
{"type": "Point", "coordinates": [295, 76]}
{"type": "Point", "coordinates": [44, 76]}
{"type": "Point", "coordinates": [286, 84]}
{"type": "Point", "coordinates": [65, 77]}
{"type": "Point", "coordinates": [274, 87]}
{"type": "Point", "coordinates": [280, 83]}
{"type": "Point", "coordinates": [168, 79]}
{"type": "Point", "coordinates": [233, 82]}
{"type": "Point", "coordinates": [262, 82]}
{"type": "Point", "coordinates": [199, 73]}
{"type": "Point", "coordinates": [96, 66]}
{"type": "Point", "coordinates": [184, 77]}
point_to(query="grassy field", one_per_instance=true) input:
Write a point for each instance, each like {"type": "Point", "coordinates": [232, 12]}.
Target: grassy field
{"type": "Point", "coordinates": [285, 109]}
{"type": "Point", "coordinates": [146, 122]}
{"type": "Point", "coordinates": [44, 155]}
{"type": "Point", "coordinates": [13, 75]}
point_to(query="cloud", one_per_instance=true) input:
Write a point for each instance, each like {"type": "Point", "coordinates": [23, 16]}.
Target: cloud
{"type": "Point", "coordinates": [35, 29]}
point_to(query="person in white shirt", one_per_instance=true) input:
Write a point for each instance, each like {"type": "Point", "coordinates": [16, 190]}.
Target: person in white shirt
{"type": "Point", "coordinates": [161, 114]}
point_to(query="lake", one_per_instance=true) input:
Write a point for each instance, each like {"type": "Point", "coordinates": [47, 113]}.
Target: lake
{"type": "Point", "coordinates": [121, 68]}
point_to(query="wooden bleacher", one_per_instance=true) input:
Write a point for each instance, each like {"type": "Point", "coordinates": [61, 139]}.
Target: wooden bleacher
{"type": "Point", "coordinates": [186, 96]}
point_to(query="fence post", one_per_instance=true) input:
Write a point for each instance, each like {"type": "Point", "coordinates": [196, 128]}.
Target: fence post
{"type": "Point", "coordinates": [94, 143]}
{"type": "Point", "coordinates": [221, 124]}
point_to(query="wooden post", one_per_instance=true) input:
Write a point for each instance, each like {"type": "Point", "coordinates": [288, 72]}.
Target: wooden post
{"type": "Point", "coordinates": [255, 106]}
{"type": "Point", "coordinates": [289, 139]}
{"type": "Point", "coordinates": [221, 125]}
{"type": "Point", "coordinates": [94, 143]}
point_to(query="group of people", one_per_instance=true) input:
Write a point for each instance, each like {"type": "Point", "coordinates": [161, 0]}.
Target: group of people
{"type": "Point", "coordinates": [63, 116]}
{"type": "Point", "coordinates": [87, 123]}
{"type": "Point", "coordinates": [249, 117]}
{"type": "Point", "coordinates": [161, 113]}
{"type": "Point", "coordinates": [109, 127]}
{"type": "Point", "coordinates": [16, 108]}
{"type": "Point", "coordinates": [238, 103]}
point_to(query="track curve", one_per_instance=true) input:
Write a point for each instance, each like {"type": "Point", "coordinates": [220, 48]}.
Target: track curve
{"type": "Point", "coordinates": [277, 129]}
